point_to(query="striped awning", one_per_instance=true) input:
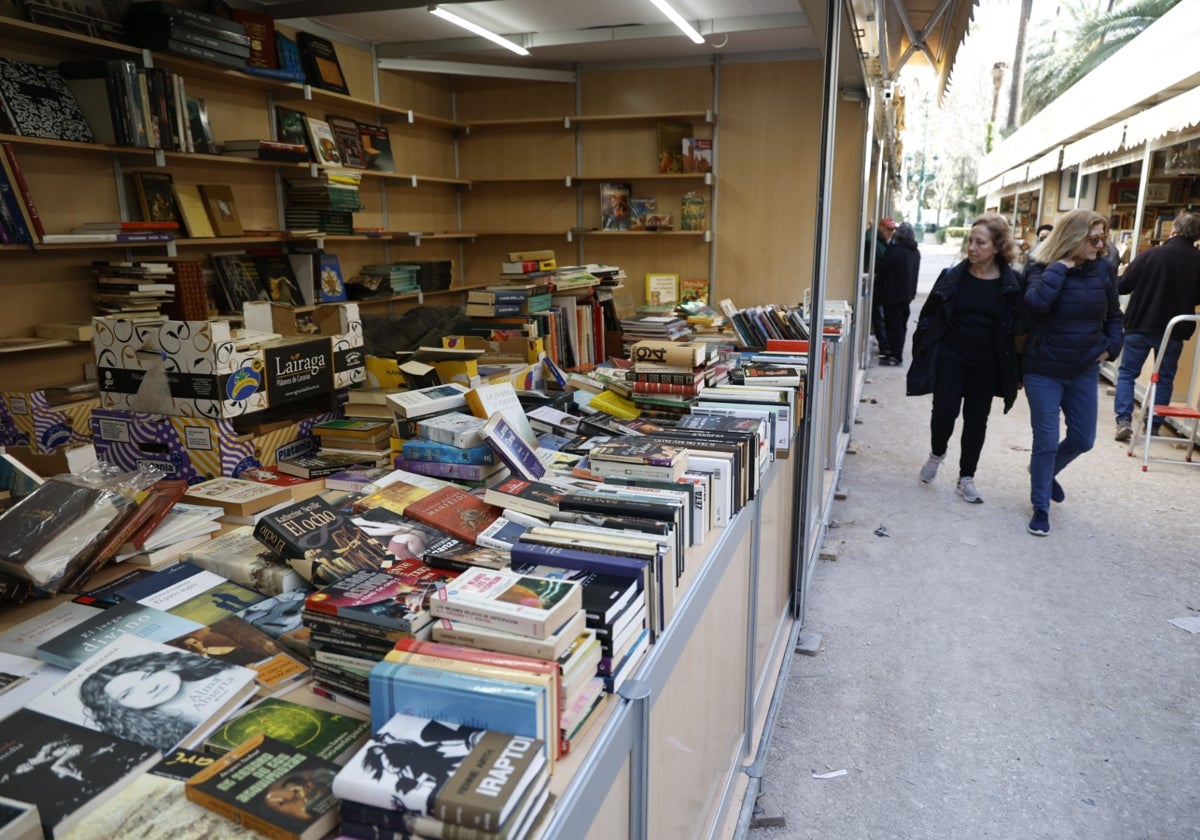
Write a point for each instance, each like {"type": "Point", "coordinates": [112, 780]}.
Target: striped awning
{"type": "Point", "coordinates": [1098, 143]}
{"type": "Point", "coordinates": [1016, 175]}
{"type": "Point", "coordinates": [1175, 114]}
{"type": "Point", "coordinates": [1046, 163]}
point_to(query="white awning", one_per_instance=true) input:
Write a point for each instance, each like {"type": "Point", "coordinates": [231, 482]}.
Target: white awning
{"type": "Point", "coordinates": [1046, 163]}
{"type": "Point", "coordinates": [1102, 142]}
{"type": "Point", "coordinates": [1175, 114]}
{"type": "Point", "coordinates": [1016, 175]}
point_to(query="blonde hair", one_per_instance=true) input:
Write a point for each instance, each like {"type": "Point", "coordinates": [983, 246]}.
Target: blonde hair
{"type": "Point", "coordinates": [1070, 231]}
{"type": "Point", "coordinates": [1001, 234]}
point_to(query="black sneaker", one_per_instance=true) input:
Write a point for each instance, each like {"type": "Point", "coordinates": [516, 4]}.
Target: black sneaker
{"type": "Point", "coordinates": [1124, 431]}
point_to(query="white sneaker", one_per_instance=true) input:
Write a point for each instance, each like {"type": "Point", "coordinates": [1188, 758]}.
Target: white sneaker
{"type": "Point", "coordinates": [929, 471]}
{"type": "Point", "coordinates": [966, 489]}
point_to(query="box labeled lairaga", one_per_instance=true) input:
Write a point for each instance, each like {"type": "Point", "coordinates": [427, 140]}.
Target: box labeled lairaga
{"type": "Point", "coordinates": [199, 448]}
{"type": "Point", "coordinates": [37, 423]}
{"type": "Point", "coordinates": [206, 369]}
{"type": "Point", "coordinates": [339, 322]}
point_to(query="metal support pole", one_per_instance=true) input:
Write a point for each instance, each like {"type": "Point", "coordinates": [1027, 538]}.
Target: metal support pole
{"type": "Point", "coordinates": [637, 692]}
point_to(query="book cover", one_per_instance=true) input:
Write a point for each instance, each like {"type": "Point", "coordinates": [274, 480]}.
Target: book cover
{"type": "Point", "coordinates": [192, 211]}
{"type": "Point", "coordinates": [71, 648]}
{"type": "Point", "coordinates": [235, 641]}
{"type": "Point", "coordinates": [532, 606]}
{"type": "Point", "coordinates": [222, 209]}
{"type": "Point", "coordinates": [331, 287]}
{"type": "Point", "coordinates": [637, 450]}
{"type": "Point", "coordinates": [320, 464]}
{"type": "Point", "coordinates": [237, 556]}
{"type": "Point", "coordinates": [501, 398]}
{"type": "Point", "coordinates": [615, 205]}
{"type": "Point", "coordinates": [39, 102]}
{"type": "Point", "coordinates": [349, 143]}
{"type": "Point", "coordinates": [457, 430]}
{"type": "Point", "coordinates": [354, 480]}
{"type": "Point", "coordinates": [16, 177]}
{"type": "Point", "coordinates": [260, 28]}
{"type": "Point", "coordinates": [291, 126]}
{"type": "Point", "coordinates": [457, 698]}
{"type": "Point", "coordinates": [456, 555]}
{"type": "Point", "coordinates": [23, 638]}
{"type": "Point", "coordinates": [275, 271]}
{"type": "Point", "coordinates": [320, 62]}
{"type": "Point", "coordinates": [388, 599]}
{"type": "Point", "coordinates": [469, 775]}
{"type": "Point", "coordinates": [670, 145]}
{"type": "Point", "coordinates": [148, 692]}
{"type": "Point", "coordinates": [65, 769]}
{"type": "Point", "coordinates": [270, 787]}
{"type": "Point", "coordinates": [395, 497]}
{"type": "Point", "coordinates": [490, 638]}
{"type": "Point", "coordinates": [191, 592]}
{"type": "Point", "coordinates": [697, 154]}
{"type": "Point", "coordinates": [317, 731]}
{"type": "Point", "coordinates": [422, 449]}
{"type": "Point", "coordinates": [424, 401]}
{"type": "Point", "coordinates": [532, 497]}
{"type": "Point", "coordinates": [322, 143]}
{"type": "Point", "coordinates": [512, 449]}
{"type": "Point", "coordinates": [319, 541]}
{"type": "Point", "coordinates": [377, 147]}
{"type": "Point", "coordinates": [236, 496]}
{"type": "Point", "coordinates": [455, 512]}
{"type": "Point", "coordinates": [503, 532]}
{"type": "Point", "coordinates": [238, 278]}
{"type": "Point", "coordinates": [459, 472]}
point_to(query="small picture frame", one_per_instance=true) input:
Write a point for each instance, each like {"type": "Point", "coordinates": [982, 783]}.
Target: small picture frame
{"type": "Point", "coordinates": [1158, 192]}
{"type": "Point", "coordinates": [222, 209]}
{"type": "Point", "coordinates": [662, 289]}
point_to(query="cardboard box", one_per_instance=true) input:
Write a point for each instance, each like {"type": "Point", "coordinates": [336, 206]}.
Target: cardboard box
{"type": "Point", "coordinates": [196, 369]}
{"type": "Point", "coordinates": [339, 322]}
{"type": "Point", "coordinates": [65, 459]}
{"type": "Point", "coordinates": [527, 350]}
{"type": "Point", "coordinates": [199, 448]}
{"type": "Point", "coordinates": [45, 427]}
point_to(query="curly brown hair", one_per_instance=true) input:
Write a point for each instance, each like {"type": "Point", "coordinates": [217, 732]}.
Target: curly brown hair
{"type": "Point", "coordinates": [1001, 234]}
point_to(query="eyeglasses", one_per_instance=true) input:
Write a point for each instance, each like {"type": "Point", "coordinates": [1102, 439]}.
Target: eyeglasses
{"type": "Point", "coordinates": [1097, 241]}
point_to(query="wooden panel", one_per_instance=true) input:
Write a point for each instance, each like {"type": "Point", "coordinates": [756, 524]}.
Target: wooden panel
{"type": "Point", "coordinates": [484, 255]}
{"type": "Point", "coordinates": [422, 150]}
{"type": "Point", "coordinates": [697, 733]}
{"type": "Point", "coordinates": [56, 187]}
{"type": "Point", "coordinates": [424, 93]}
{"type": "Point", "coordinates": [517, 152]}
{"type": "Point", "coordinates": [629, 148]}
{"type": "Point", "coordinates": [358, 68]}
{"type": "Point", "coordinates": [639, 254]}
{"type": "Point", "coordinates": [233, 113]}
{"type": "Point", "coordinates": [429, 207]}
{"type": "Point", "coordinates": [538, 206]}
{"type": "Point", "coordinates": [510, 99]}
{"type": "Point", "coordinates": [647, 91]}
{"type": "Point", "coordinates": [769, 139]}
{"type": "Point", "coordinates": [846, 206]}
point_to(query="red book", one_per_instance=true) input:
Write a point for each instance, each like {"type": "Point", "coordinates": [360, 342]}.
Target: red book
{"type": "Point", "coordinates": [161, 498]}
{"type": "Point", "coordinates": [455, 512]}
{"type": "Point", "coordinates": [23, 188]}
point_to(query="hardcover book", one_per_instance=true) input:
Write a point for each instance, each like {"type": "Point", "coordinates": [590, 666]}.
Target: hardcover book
{"type": "Point", "coordinates": [670, 145]}
{"type": "Point", "coordinates": [317, 731]}
{"type": "Point", "coordinates": [270, 787]}
{"type": "Point", "coordinates": [156, 201]}
{"type": "Point", "coordinates": [148, 692]}
{"type": "Point", "coordinates": [320, 140]}
{"type": "Point", "coordinates": [192, 211]}
{"type": "Point", "coordinates": [222, 209]}
{"type": "Point", "coordinates": [331, 287]}
{"type": "Point", "coordinates": [275, 271]}
{"type": "Point", "coordinates": [475, 777]}
{"type": "Point", "coordinates": [512, 449]}
{"type": "Point", "coordinates": [65, 769]}
{"type": "Point", "coordinates": [320, 61]}
{"type": "Point", "coordinates": [71, 648]}
{"type": "Point", "coordinates": [291, 126]}
{"type": "Point", "coordinates": [532, 606]}
{"type": "Point", "coordinates": [345, 134]}
{"type": "Point", "coordinates": [377, 147]}
{"type": "Point", "coordinates": [38, 102]}
{"type": "Point", "coordinates": [455, 512]}
{"type": "Point", "coordinates": [236, 496]}
{"type": "Point", "coordinates": [614, 205]}
{"type": "Point", "coordinates": [154, 805]}
{"type": "Point", "coordinates": [238, 278]}
{"type": "Point", "coordinates": [319, 541]}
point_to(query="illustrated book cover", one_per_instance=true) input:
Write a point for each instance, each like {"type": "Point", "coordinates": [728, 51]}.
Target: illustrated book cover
{"type": "Point", "coordinates": [235, 641]}
{"type": "Point", "coordinates": [395, 601]}
{"type": "Point", "coordinates": [319, 541]}
{"type": "Point", "coordinates": [320, 60]}
{"type": "Point", "coordinates": [512, 449]}
{"type": "Point", "coordinates": [72, 647]}
{"type": "Point", "coordinates": [39, 103]}
{"type": "Point", "coordinates": [532, 606]}
{"type": "Point", "coordinates": [454, 511]}
{"type": "Point", "coordinates": [329, 735]}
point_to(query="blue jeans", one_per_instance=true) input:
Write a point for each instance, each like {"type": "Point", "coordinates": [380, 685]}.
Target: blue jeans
{"type": "Point", "coordinates": [1076, 399]}
{"type": "Point", "coordinates": [1138, 346]}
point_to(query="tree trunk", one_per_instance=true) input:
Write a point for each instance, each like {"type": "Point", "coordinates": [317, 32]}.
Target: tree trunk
{"type": "Point", "coordinates": [1018, 68]}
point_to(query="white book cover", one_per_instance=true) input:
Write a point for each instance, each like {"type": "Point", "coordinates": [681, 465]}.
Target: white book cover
{"type": "Point", "coordinates": [22, 678]}
{"type": "Point", "coordinates": [524, 604]}
{"type": "Point", "coordinates": [148, 692]}
{"type": "Point", "coordinates": [501, 398]}
{"type": "Point", "coordinates": [23, 639]}
{"type": "Point", "coordinates": [456, 429]}
{"type": "Point", "coordinates": [721, 470]}
{"type": "Point", "coordinates": [424, 401]}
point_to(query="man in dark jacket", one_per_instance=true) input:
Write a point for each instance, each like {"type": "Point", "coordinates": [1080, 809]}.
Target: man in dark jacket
{"type": "Point", "coordinates": [896, 272]}
{"type": "Point", "coordinates": [1162, 282]}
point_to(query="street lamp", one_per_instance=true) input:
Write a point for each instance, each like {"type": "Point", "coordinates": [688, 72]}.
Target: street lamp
{"type": "Point", "coordinates": [924, 154]}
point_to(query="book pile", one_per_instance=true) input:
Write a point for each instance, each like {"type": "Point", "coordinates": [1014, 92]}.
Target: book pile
{"type": "Point", "coordinates": [450, 446]}
{"type": "Point", "coordinates": [754, 326]}
{"type": "Point", "coordinates": [368, 403]}
{"type": "Point", "coordinates": [188, 32]}
{"type": "Point", "coordinates": [488, 782]}
{"type": "Point", "coordinates": [326, 203]}
{"type": "Point", "coordinates": [503, 302]}
{"type": "Point", "coordinates": [382, 280]}
{"type": "Point", "coordinates": [433, 275]}
{"type": "Point", "coordinates": [133, 289]}
{"type": "Point", "coordinates": [368, 441]}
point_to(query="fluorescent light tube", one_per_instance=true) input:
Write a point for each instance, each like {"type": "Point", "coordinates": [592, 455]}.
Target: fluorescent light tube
{"type": "Point", "coordinates": [478, 30]}
{"type": "Point", "coordinates": [677, 19]}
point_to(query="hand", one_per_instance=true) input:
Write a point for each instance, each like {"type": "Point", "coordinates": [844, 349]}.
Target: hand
{"type": "Point", "coordinates": [1068, 262]}
{"type": "Point", "coordinates": [1103, 357]}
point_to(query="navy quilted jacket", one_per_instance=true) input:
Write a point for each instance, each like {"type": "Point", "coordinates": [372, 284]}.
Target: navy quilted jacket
{"type": "Point", "coordinates": [1078, 317]}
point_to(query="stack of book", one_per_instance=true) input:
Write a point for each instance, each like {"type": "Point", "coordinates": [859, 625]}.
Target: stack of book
{"type": "Point", "coordinates": [188, 32]}
{"type": "Point", "coordinates": [754, 326]}
{"type": "Point", "coordinates": [451, 446]}
{"type": "Point", "coordinates": [502, 302]}
{"type": "Point", "coordinates": [366, 440]}
{"type": "Point", "coordinates": [326, 203]}
{"type": "Point", "coordinates": [382, 280]}
{"type": "Point", "coordinates": [133, 289]}
{"type": "Point", "coordinates": [368, 403]}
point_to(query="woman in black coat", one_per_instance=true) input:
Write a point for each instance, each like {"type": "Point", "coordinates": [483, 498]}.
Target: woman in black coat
{"type": "Point", "coordinates": [896, 272]}
{"type": "Point", "coordinates": [963, 348]}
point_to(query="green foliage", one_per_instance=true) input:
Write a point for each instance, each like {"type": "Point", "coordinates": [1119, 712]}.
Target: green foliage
{"type": "Point", "coordinates": [1061, 56]}
{"type": "Point", "coordinates": [954, 232]}
{"type": "Point", "coordinates": [939, 235]}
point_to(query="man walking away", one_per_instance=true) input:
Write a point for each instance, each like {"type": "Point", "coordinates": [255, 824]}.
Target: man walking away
{"type": "Point", "coordinates": [1162, 282]}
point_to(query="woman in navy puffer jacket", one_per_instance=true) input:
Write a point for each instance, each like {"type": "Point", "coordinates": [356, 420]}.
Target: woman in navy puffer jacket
{"type": "Point", "coordinates": [1075, 315]}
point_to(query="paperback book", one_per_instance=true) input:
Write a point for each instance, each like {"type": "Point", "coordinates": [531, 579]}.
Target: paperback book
{"type": "Point", "coordinates": [512, 449]}
{"type": "Point", "coordinates": [71, 648]}
{"type": "Point", "coordinates": [455, 512]}
{"type": "Point", "coordinates": [314, 730]}
{"type": "Point", "coordinates": [531, 606]}
{"type": "Point", "coordinates": [319, 541]}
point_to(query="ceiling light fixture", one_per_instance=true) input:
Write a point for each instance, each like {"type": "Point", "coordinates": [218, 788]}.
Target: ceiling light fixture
{"type": "Point", "coordinates": [478, 30]}
{"type": "Point", "coordinates": [677, 19]}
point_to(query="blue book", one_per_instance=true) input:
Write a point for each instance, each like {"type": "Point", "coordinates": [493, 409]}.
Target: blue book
{"type": "Point", "coordinates": [420, 449]}
{"type": "Point", "coordinates": [462, 698]}
{"type": "Point", "coordinates": [511, 449]}
{"type": "Point", "coordinates": [580, 560]}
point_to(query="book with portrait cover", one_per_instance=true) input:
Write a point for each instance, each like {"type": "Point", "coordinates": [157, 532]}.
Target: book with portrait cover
{"type": "Point", "coordinates": [72, 647]}
{"type": "Point", "coordinates": [329, 735]}
{"type": "Point", "coordinates": [154, 805]}
{"type": "Point", "coordinates": [235, 641]}
{"type": "Point", "coordinates": [532, 606]}
{"type": "Point", "coordinates": [65, 769]}
{"type": "Point", "coordinates": [148, 692]}
{"type": "Point", "coordinates": [461, 763]}
{"type": "Point", "coordinates": [454, 511]}
{"type": "Point", "coordinates": [319, 541]}
{"type": "Point", "coordinates": [271, 787]}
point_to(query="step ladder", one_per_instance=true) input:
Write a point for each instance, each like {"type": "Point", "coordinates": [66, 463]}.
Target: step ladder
{"type": "Point", "coordinates": [1144, 420]}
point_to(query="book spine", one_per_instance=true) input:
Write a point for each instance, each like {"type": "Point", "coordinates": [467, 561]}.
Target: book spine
{"type": "Point", "coordinates": [443, 469]}
{"type": "Point", "coordinates": [22, 187]}
{"type": "Point", "coordinates": [11, 218]}
{"type": "Point", "coordinates": [352, 628]}
{"type": "Point", "coordinates": [204, 54]}
{"type": "Point", "coordinates": [274, 73]}
{"type": "Point", "coordinates": [474, 613]}
{"type": "Point", "coordinates": [575, 559]}
{"type": "Point", "coordinates": [646, 387]}
{"type": "Point", "coordinates": [447, 451]}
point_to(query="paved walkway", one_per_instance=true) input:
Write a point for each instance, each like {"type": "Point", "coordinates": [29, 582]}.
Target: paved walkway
{"type": "Point", "coordinates": [978, 682]}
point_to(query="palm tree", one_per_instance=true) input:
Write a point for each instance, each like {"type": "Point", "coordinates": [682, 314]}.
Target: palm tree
{"type": "Point", "coordinates": [1084, 39]}
{"type": "Point", "coordinates": [1018, 67]}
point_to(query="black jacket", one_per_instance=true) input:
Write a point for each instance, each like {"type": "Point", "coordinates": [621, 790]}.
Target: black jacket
{"type": "Point", "coordinates": [1162, 282]}
{"type": "Point", "coordinates": [896, 272]}
{"type": "Point", "coordinates": [935, 318]}
{"type": "Point", "coordinates": [1078, 317]}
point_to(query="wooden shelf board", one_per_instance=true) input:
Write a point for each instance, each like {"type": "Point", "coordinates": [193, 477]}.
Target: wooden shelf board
{"type": "Point", "coordinates": [12, 344]}
{"type": "Point", "coordinates": [653, 176]}
{"type": "Point", "coordinates": [216, 72]}
{"type": "Point", "coordinates": [703, 116]}
{"type": "Point", "coordinates": [21, 140]}
{"type": "Point", "coordinates": [527, 122]}
{"type": "Point", "coordinates": [49, 36]}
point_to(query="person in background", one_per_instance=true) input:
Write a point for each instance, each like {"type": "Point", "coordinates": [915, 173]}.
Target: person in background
{"type": "Point", "coordinates": [1071, 299]}
{"type": "Point", "coordinates": [1043, 231]}
{"type": "Point", "coordinates": [963, 348]}
{"type": "Point", "coordinates": [886, 229]}
{"type": "Point", "coordinates": [1161, 282]}
{"type": "Point", "coordinates": [895, 287]}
